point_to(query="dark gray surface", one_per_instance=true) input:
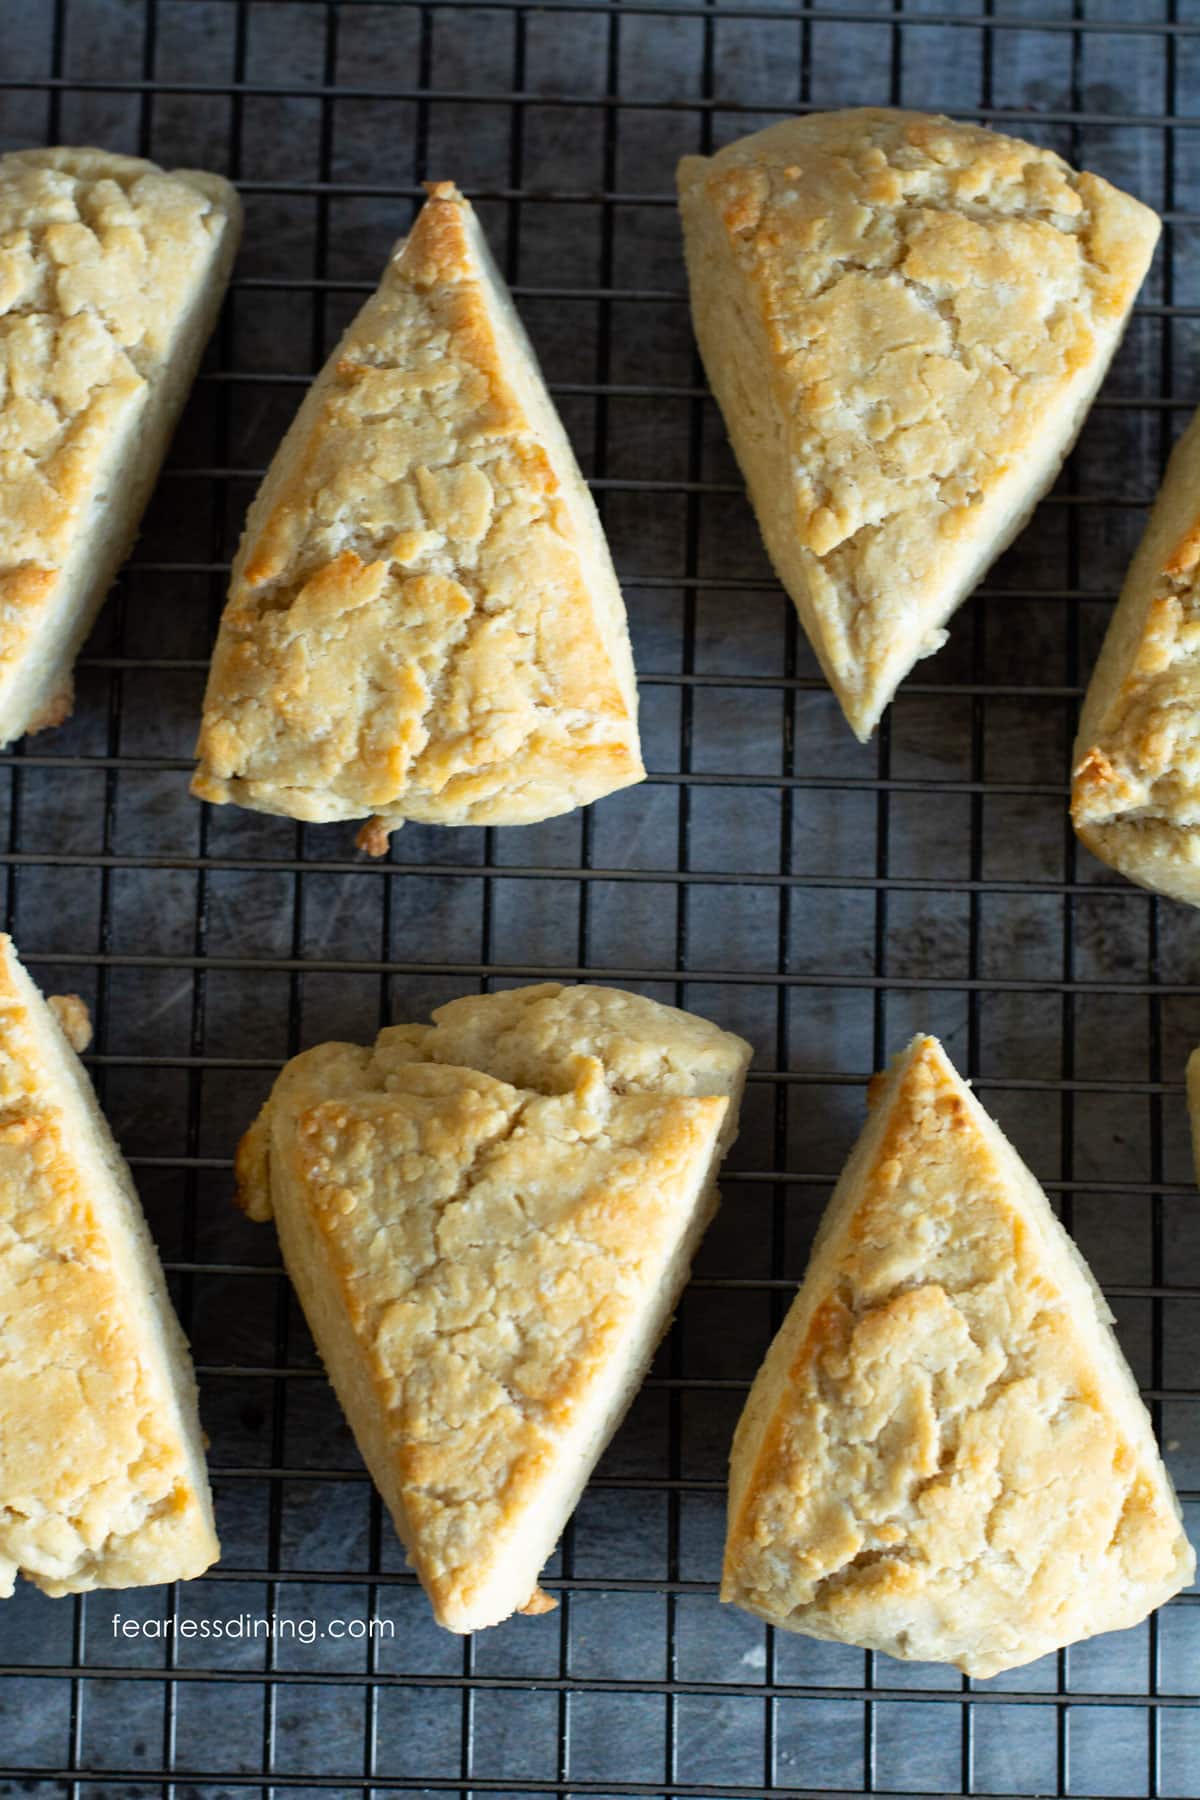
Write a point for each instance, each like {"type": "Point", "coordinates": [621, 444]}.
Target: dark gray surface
{"type": "Point", "coordinates": [110, 859]}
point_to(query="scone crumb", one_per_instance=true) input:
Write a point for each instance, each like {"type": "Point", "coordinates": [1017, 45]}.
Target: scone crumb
{"type": "Point", "coordinates": [74, 1020]}
{"type": "Point", "coordinates": [539, 1602]}
{"type": "Point", "coordinates": [373, 837]}
{"type": "Point", "coordinates": [256, 1206]}
{"type": "Point", "coordinates": [251, 1173]}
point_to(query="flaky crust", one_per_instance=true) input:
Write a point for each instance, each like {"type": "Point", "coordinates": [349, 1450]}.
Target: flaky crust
{"type": "Point", "coordinates": [486, 1267]}
{"type": "Point", "coordinates": [111, 272]}
{"type": "Point", "coordinates": [101, 1474]}
{"type": "Point", "coordinates": [903, 320]}
{"type": "Point", "coordinates": [423, 621]}
{"type": "Point", "coordinates": [1135, 789]}
{"type": "Point", "coordinates": [944, 1455]}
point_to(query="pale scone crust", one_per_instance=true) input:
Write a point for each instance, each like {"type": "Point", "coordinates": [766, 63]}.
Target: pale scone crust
{"type": "Point", "coordinates": [936, 1459]}
{"type": "Point", "coordinates": [420, 626]}
{"type": "Point", "coordinates": [923, 303]}
{"type": "Point", "coordinates": [95, 1485]}
{"type": "Point", "coordinates": [494, 1246]}
{"type": "Point", "coordinates": [1135, 791]}
{"type": "Point", "coordinates": [99, 256]}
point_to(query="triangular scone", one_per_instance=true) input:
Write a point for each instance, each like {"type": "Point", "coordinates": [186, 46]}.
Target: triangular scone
{"type": "Point", "coordinates": [102, 1476]}
{"type": "Point", "coordinates": [486, 1272]}
{"type": "Point", "coordinates": [904, 321]}
{"type": "Point", "coordinates": [112, 271]}
{"type": "Point", "coordinates": [423, 620]}
{"type": "Point", "coordinates": [944, 1454]}
{"type": "Point", "coordinates": [1135, 790]}
{"type": "Point", "coordinates": [487, 1268]}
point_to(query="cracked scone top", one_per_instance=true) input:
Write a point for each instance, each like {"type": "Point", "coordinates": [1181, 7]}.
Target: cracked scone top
{"type": "Point", "coordinates": [111, 273]}
{"type": "Point", "coordinates": [102, 1476]}
{"type": "Point", "coordinates": [423, 620]}
{"type": "Point", "coordinates": [1135, 791]}
{"type": "Point", "coordinates": [944, 1455]}
{"type": "Point", "coordinates": [904, 320]}
{"type": "Point", "coordinates": [487, 1268]}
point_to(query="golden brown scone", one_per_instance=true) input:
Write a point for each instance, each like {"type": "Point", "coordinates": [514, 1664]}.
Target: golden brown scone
{"type": "Point", "coordinates": [904, 321]}
{"type": "Point", "coordinates": [423, 621]}
{"type": "Point", "coordinates": [1135, 789]}
{"type": "Point", "coordinates": [111, 276]}
{"type": "Point", "coordinates": [944, 1454]}
{"type": "Point", "coordinates": [102, 1475]}
{"type": "Point", "coordinates": [487, 1268]}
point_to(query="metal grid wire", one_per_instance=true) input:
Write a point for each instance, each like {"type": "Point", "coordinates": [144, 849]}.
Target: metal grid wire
{"type": "Point", "coordinates": [824, 899]}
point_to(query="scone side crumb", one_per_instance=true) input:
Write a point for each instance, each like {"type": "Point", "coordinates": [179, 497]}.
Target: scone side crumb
{"type": "Point", "coordinates": [252, 1169]}
{"type": "Point", "coordinates": [74, 1019]}
{"type": "Point", "coordinates": [373, 837]}
{"type": "Point", "coordinates": [538, 1603]}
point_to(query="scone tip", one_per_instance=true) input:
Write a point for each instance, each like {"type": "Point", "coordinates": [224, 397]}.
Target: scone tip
{"type": "Point", "coordinates": [442, 190]}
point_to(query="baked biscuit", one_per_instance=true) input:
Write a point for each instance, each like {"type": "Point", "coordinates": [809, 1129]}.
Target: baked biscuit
{"type": "Point", "coordinates": [904, 321]}
{"type": "Point", "coordinates": [1135, 790]}
{"type": "Point", "coordinates": [944, 1454]}
{"type": "Point", "coordinates": [111, 275]}
{"type": "Point", "coordinates": [423, 621]}
{"type": "Point", "coordinates": [102, 1476]}
{"type": "Point", "coordinates": [487, 1268]}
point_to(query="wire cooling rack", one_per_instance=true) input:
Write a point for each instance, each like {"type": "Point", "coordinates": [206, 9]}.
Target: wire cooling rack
{"type": "Point", "coordinates": [824, 899]}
